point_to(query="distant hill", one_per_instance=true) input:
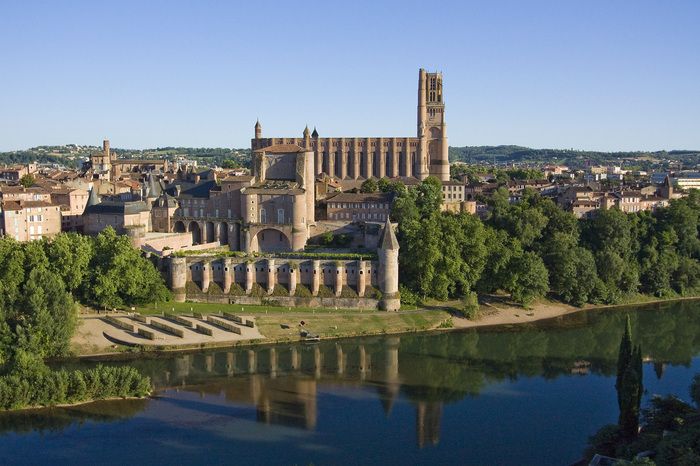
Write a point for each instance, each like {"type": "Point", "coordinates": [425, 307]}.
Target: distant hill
{"type": "Point", "coordinates": [72, 155]}
{"type": "Point", "coordinates": [519, 154]}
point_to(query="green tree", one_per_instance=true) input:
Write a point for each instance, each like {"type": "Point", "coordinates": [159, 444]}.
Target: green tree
{"type": "Point", "coordinates": [686, 277]}
{"type": "Point", "coordinates": [470, 306]}
{"type": "Point", "coordinates": [527, 278]}
{"type": "Point", "coordinates": [572, 270]}
{"type": "Point", "coordinates": [695, 390]}
{"type": "Point", "coordinates": [369, 186]}
{"type": "Point", "coordinates": [69, 255]}
{"type": "Point", "coordinates": [428, 196]}
{"type": "Point", "coordinates": [27, 181]}
{"type": "Point", "coordinates": [48, 316]}
{"type": "Point", "coordinates": [230, 163]}
{"type": "Point", "coordinates": [629, 383]}
{"type": "Point", "coordinates": [120, 275]}
{"type": "Point", "coordinates": [522, 220]}
{"type": "Point", "coordinates": [501, 247]}
{"type": "Point", "coordinates": [12, 265]}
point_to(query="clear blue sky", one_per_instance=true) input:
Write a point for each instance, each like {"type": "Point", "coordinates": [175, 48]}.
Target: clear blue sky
{"type": "Point", "coordinates": [600, 75]}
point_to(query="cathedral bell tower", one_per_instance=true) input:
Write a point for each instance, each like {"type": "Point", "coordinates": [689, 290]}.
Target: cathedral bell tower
{"type": "Point", "coordinates": [432, 130]}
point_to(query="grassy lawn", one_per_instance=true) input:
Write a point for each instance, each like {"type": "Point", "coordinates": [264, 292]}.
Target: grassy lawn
{"type": "Point", "coordinates": [211, 308]}
{"type": "Point", "coordinates": [350, 324]}
{"type": "Point", "coordinates": [282, 323]}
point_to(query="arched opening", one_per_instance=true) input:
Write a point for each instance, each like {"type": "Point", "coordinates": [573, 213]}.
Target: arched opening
{"type": "Point", "coordinates": [434, 151]}
{"type": "Point", "coordinates": [210, 233]}
{"type": "Point", "coordinates": [196, 232]}
{"type": "Point", "coordinates": [338, 163]}
{"type": "Point", "coordinates": [179, 227]}
{"type": "Point", "coordinates": [223, 233]}
{"type": "Point", "coordinates": [434, 146]}
{"type": "Point", "coordinates": [270, 240]}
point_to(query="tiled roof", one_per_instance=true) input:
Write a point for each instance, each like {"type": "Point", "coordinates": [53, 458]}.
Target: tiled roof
{"type": "Point", "coordinates": [116, 207]}
{"type": "Point", "coordinates": [361, 197]}
{"type": "Point", "coordinates": [19, 205]}
{"type": "Point", "coordinates": [283, 149]}
{"type": "Point", "coordinates": [388, 241]}
{"type": "Point", "coordinates": [192, 190]}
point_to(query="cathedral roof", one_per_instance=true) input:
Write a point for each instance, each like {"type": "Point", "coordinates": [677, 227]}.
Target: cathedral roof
{"type": "Point", "coordinates": [283, 149]}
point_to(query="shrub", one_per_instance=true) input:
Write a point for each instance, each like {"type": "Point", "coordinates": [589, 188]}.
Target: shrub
{"type": "Point", "coordinates": [408, 297]}
{"type": "Point", "coordinates": [302, 291]}
{"type": "Point", "coordinates": [49, 388]}
{"type": "Point", "coordinates": [470, 308]}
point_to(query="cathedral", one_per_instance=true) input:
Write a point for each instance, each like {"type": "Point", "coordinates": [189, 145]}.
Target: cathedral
{"type": "Point", "coordinates": [357, 158]}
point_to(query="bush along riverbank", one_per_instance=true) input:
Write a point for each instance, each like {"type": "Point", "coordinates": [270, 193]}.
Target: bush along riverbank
{"type": "Point", "coordinates": [45, 387]}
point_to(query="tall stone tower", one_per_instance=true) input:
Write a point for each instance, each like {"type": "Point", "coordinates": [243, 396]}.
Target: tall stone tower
{"type": "Point", "coordinates": [432, 129]}
{"type": "Point", "coordinates": [102, 161]}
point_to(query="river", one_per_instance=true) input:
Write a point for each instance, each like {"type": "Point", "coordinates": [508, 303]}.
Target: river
{"type": "Point", "coordinates": [512, 395]}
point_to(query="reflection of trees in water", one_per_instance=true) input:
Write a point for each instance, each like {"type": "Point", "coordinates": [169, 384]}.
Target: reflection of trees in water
{"type": "Point", "coordinates": [282, 381]}
{"type": "Point", "coordinates": [58, 419]}
{"type": "Point", "coordinates": [447, 367]}
{"type": "Point", "coordinates": [450, 366]}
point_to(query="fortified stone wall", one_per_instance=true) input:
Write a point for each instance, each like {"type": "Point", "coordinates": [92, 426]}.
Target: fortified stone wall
{"type": "Point", "coordinates": [286, 282]}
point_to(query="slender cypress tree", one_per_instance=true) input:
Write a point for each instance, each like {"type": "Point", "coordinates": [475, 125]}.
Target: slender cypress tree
{"type": "Point", "coordinates": [629, 383]}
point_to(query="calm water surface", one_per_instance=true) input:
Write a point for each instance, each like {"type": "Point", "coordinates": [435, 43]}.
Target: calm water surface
{"type": "Point", "coordinates": [526, 395]}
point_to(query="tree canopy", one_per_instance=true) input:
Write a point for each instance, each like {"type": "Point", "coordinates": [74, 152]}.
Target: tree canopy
{"type": "Point", "coordinates": [532, 247]}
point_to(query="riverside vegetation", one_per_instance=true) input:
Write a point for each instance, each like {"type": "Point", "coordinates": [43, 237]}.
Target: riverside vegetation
{"type": "Point", "coordinates": [670, 430]}
{"type": "Point", "coordinates": [533, 248]}
{"type": "Point", "coordinates": [40, 282]}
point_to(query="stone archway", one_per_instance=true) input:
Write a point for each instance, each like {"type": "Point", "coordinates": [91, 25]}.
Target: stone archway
{"type": "Point", "coordinates": [223, 232]}
{"type": "Point", "coordinates": [196, 232]}
{"type": "Point", "coordinates": [209, 233]}
{"type": "Point", "coordinates": [270, 240]}
{"type": "Point", "coordinates": [179, 227]}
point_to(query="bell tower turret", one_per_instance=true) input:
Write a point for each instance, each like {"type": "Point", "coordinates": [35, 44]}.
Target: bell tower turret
{"type": "Point", "coordinates": [258, 130]}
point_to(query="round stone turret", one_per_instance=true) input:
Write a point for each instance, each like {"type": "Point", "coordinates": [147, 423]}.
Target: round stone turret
{"type": "Point", "coordinates": [389, 269]}
{"type": "Point", "coordinates": [178, 278]}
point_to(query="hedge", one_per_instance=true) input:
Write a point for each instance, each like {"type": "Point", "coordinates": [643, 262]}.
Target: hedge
{"type": "Point", "coordinates": [49, 388]}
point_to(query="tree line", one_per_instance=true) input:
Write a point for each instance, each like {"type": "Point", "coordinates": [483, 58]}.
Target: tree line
{"type": "Point", "coordinates": [40, 283]}
{"type": "Point", "coordinates": [533, 247]}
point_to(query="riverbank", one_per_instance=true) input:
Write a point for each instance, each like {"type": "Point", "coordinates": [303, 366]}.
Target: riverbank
{"type": "Point", "coordinates": [283, 326]}
{"type": "Point", "coordinates": [28, 409]}
{"type": "Point", "coordinates": [493, 315]}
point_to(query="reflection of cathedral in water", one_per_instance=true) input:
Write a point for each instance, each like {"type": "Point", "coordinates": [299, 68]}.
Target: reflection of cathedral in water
{"type": "Point", "coordinates": [282, 382]}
